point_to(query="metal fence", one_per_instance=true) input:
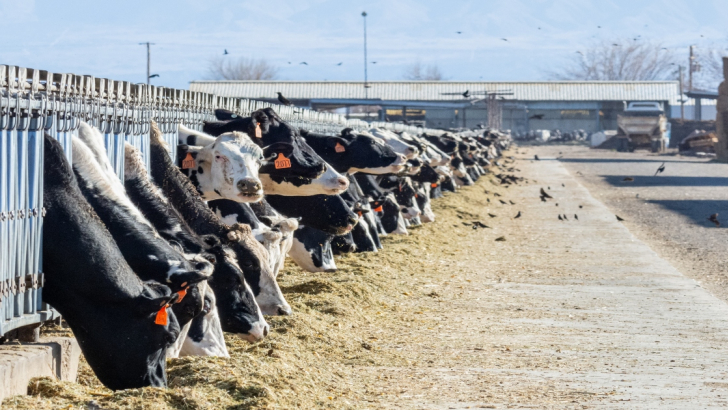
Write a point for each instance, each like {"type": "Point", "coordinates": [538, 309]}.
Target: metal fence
{"type": "Point", "coordinates": [36, 101]}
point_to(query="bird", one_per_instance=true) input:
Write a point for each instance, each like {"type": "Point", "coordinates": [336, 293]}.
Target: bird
{"type": "Point", "coordinates": [557, 204]}
{"type": "Point", "coordinates": [504, 39]}
{"type": "Point", "coordinates": [503, 202]}
{"type": "Point", "coordinates": [563, 185]}
{"type": "Point", "coordinates": [374, 62]}
{"type": "Point", "coordinates": [548, 187]}
{"type": "Point", "coordinates": [536, 117]}
{"type": "Point", "coordinates": [714, 218]}
{"type": "Point", "coordinates": [487, 192]}
{"type": "Point", "coordinates": [224, 52]}
{"type": "Point", "coordinates": [543, 199]}
{"type": "Point", "coordinates": [283, 99]}
{"type": "Point", "coordinates": [581, 206]}
{"type": "Point", "coordinates": [480, 224]}
{"type": "Point", "coordinates": [615, 45]}
{"type": "Point", "coordinates": [496, 194]}
{"type": "Point", "coordinates": [512, 203]}
{"type": "Point", "coordinates": [576, 217]}
{"type": "Point", "coordinates": [560, 218]}
{"type": "Point", "coordinates": [539, 28]}
{"type": "Point", "coordinates": [517, 215]}
{"type": "Point", "coordinates": [599, 26]}
{"type": "Point", "coordinates": [660, 170]}
{"type": "Point", "coordinates": [466, 94]}
{"type": "Point", "coordinates": [488, 199]}
{"type": "Point", "coordinates": [289, 62]}
{"type": "Point", "coordinates": [154, 76]}
{"type": "Point", "coordinates": [565, 218]}
{"type": "Point", "coordinates": [303, 62]}
{"type": "Point", "coordinates": [491, 215]}
{"type": "Point", "coordinates": [545, 195]}
{"type": "Point", "coordinates": [628, 179]}
{"type": "Point", "coordinates": [536, 158]}
{"type": "Point", "coordinates": [500, 239]}
{"type": "Point", "coordinates": [340, 63]}
{"type": "Point", "coordinates": [459, 32]}
{"type": "Point", "coordinates": [579, 52]}
{"type": "Point", "coordinates": [619, 218]}
{"type": "Point", "coordinates": [663, 48]}
{"type": "Point", "coordinates": [466, 223]}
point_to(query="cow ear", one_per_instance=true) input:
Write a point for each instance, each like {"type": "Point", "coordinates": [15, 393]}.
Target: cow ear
{"type": "Point", "coordinates": [259, 117]}
{"type": "Point", "coordinates": [153, 298]}
{"type": "Point", "coordinates": [336, 142]}
{"type": "Point", "coordinates": [271, 151]}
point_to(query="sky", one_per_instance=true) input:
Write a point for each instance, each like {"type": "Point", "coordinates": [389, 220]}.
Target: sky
{"type": "Point", "coordinates": [101, 38]}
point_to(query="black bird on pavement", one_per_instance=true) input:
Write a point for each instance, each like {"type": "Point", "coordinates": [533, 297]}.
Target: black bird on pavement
{"type": "Point", "coordinates": [491, 215]}
{"type": "Point", "coordinates": [545, 195]}
{"type": "Point", "coordinates": [480, 224]}
{"type": "Point", "coordinates": [660, 170]}
{"type": "Point", "coordinates": [283, 99]}
{"type": "Point", "coordinates": [576, 217]}
{"type": "Point", "coordinates": [496, 194]}
{"type": "Point", "coordinates": [536, 158]}
{"type": "Point", "coordinates": [512, 203]}
{"type": "Point", "coordinates": [714, 218]}
{"type": "Point", "coordinates": [560, 218]}
{"type": "Point", "coordinates": [565, 218]}
{"type": "Point", "coordinates": [503, 202]}
{"type": "Point", "coordinates": [543, 199]}
{"type": "Point", "coordinates": [518, 215]}
{"type": "Point", "coordinates": [618, 218]}
{"type": "Point", "coordinates": [563, 185]}
{"type": "Point", "coordinates": [581, 206]}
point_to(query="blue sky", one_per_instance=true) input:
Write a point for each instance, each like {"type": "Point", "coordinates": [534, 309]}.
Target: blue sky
{"type": "Point", "coordinates": [101, 37]}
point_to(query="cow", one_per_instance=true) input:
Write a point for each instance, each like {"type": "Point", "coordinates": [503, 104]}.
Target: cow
{"type": "Point", "coordinates": [312, 251]}
{"type": "Point", "coordinates": [109, 309]}
{"type": "Point", "coordinates": [395, 142]}
{"type": "Point", "coordinates": [303, 173]}
{"type": "Point", "coordinates": [329, 213]}
{"type": "Point", "coordinates": [145, 251]}
{"type": "Point", "coordinates": [223, 167]}
{"type": "Point", "coordinates": [350, 153]}
{"type": "Point", "coordinates": [250, 254]}
{"type": "Point", "coordinates": [404, 193]}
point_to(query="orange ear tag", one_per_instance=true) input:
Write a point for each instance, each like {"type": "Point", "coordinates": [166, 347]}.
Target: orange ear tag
{"type": "Point", "coordinates": [339, 148]}
{"type": "Point", "coordinates": [358, 213]}
{"type": "Point", "coordinates": [161, 318]}
{"type": "Point", "coordinates": [282, 162]}
{"type": "Point", "coordinates": [258, 132]}
{"type": "Point", "coordinates": [188, 162]}
{"type": "Point", "coordinates": [378, 209]}
{"type": "Point", "coordinates": [433, 185]}
{"type": "Point", "coordinates": [182, 293]}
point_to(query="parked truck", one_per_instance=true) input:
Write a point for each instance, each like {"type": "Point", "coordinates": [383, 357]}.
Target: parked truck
{"type": "Point", "coordinates": [642, 125]}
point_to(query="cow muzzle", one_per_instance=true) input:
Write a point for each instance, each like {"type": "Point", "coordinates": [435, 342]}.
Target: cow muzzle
{"type": "Point", "coordinates": [250, 187]}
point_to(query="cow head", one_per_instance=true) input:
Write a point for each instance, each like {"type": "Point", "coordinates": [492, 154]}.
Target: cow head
{"type": "Point", "coordinates": [356, 153]}
{"type": "Point", "coordinates": [312, 251]}
{"type": "Point", "coordinates": [226, 168]}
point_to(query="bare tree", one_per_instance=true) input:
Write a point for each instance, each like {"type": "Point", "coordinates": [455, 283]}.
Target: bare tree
{"type": "Point", "coordinates": [708, 67]}
{"type": "Point", "coordinates": [419, 72]}
{"type": "Point", "coordinates": [222, 68]}
{"type": "Point", "coordinates": [620, 60]}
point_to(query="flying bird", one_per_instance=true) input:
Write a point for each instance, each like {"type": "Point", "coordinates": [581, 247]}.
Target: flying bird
{"type": "Point", "coordinates": [340, 63]}
{"type": "Point", "coordinates": [283, 99]}
{"type": "Point", "coordinates": [628, 179]}
{"type": "Point", "coordinates": [289, 62]}
{"type": "Point", "coordinates": [544, 194]}
{"type": "Point", "coordinates": [224, 52]}
{"type": "Point", "coordinates": [517, 215]}
{"type": "Point", "coordinates": [599, 26]}
{"type": "Point", "coordinates": [504, 39]}
{"type": "Point", "coordinates": [536, 158]}
{"type": "Point", "coordinates": [660, 170]}
{"type": "Point", "coordinates": [303, 62]}
{"type": "Point", "coordinates": [466, 94]}
{"type": "Point", "coordinates": [536, 117]}
{"type": "Point", "coordinates": [579, 52]}
{"type": "Point", "coordinates": [374, 62]}
{"type": "Point", "coordinates": [615, 45]}
{"type": "Point", "coordinates": [714, 218]}
{"type": "Point", "coordinates": [154, 76]}
{"type": "Point", "coordinates": [618, 218]}
{"type": "Point", "coordinates": [539, 28]}
{"type": "Point", "coordinates": [459, 32]}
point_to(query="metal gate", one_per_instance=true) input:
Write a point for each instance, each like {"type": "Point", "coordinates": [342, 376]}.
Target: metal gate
{"type": "Point", "coordinates": [33, 102]}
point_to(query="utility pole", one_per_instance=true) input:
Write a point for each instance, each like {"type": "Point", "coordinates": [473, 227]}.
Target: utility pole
{"type": "Point", "coordinates": [366, 86]}
{"type": "Point", "coordinates": [691, 69]}
{"type": "Point", "coordinates": [682, 102]}
{"type": "Point", "coordinates": [148, 59]}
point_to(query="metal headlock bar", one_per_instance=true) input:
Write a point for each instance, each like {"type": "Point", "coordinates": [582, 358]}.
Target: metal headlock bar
{"type": "Point", "coordinates": [33, 102]}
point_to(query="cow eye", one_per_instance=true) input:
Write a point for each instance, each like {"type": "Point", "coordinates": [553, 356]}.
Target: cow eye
{"type": "Point", "coordinates": [217, 157]}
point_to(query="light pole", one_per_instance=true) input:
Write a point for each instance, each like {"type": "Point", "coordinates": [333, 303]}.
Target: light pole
{"type": "Point", "coordinates": [366, 86]}
{"type": "Point", "coordinates": [148, 59]}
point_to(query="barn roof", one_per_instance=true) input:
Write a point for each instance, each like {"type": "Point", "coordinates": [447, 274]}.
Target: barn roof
{"type": "Point", "coordinates": [445, 90]}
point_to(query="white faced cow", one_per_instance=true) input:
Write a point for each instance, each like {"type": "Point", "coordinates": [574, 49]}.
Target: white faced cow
{"type": "Point", "coordinates": [225, 167]}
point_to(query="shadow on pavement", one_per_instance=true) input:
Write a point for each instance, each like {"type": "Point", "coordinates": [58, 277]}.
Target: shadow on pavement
{"type": "Point", "coordinates": [658, 160]}
{"type": "Point", "coordinates": [697, 210]}
{"type": "Point", "coordinates": [658, 181]}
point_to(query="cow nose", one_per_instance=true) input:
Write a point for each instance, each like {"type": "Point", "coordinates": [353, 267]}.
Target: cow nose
{"type": "Point", "coordinates": [401, 160]}
{"type": "Point", "coordinates": [409, 152]}
{"type": "Point", "coordinates": [343, 182]}
{"type": "Point", "coordinates": [284, 311]}
{"type": "Point", "coordinates": [249, 185]}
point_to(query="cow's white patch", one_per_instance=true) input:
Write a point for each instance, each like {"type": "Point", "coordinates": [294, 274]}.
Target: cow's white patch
{"type": "Point", "coordinates": [302, 257]}
{"type": "Point", "coordinates": [152, 257]}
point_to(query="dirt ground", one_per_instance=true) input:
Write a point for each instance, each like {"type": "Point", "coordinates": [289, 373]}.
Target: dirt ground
{"type": "Point", "coordinates": [451, 318]}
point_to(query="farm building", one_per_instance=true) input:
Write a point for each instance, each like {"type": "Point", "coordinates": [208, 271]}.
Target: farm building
{"type": "Point", "coordinates": [568, 105]}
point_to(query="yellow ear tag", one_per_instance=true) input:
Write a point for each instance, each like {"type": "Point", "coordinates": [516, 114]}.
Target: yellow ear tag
{"type": "Point", "coordinates": [188, 162]}
{"type": "Point", "coordinates": [339, 148]}
{"type": "Point", "coordinates": [258, 132]}
{"type": "Point", "coordinates": [282, 162]}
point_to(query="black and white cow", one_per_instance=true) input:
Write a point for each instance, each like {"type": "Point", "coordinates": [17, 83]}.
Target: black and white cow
{"type": "Point", "coordinates": [110, 310]}
{"type": "Point", "coordinates": [312, 250]}
{"type": "Point", "coordinates": [251, 256]}
{"type": "Point", "coordinates": [304, 174]}
{"type": "Point", "coordinates": [223, 167]}
{"type": "Point", "coordinates": [404, 192]}
{"type": "Point", "coordinates": [329, 213]}
{"type": "Point", "coordinates": [397, 144]}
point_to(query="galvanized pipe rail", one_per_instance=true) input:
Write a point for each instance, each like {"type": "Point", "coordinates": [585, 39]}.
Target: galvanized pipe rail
{"type": "Point", "coordinates": [33, 102]}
